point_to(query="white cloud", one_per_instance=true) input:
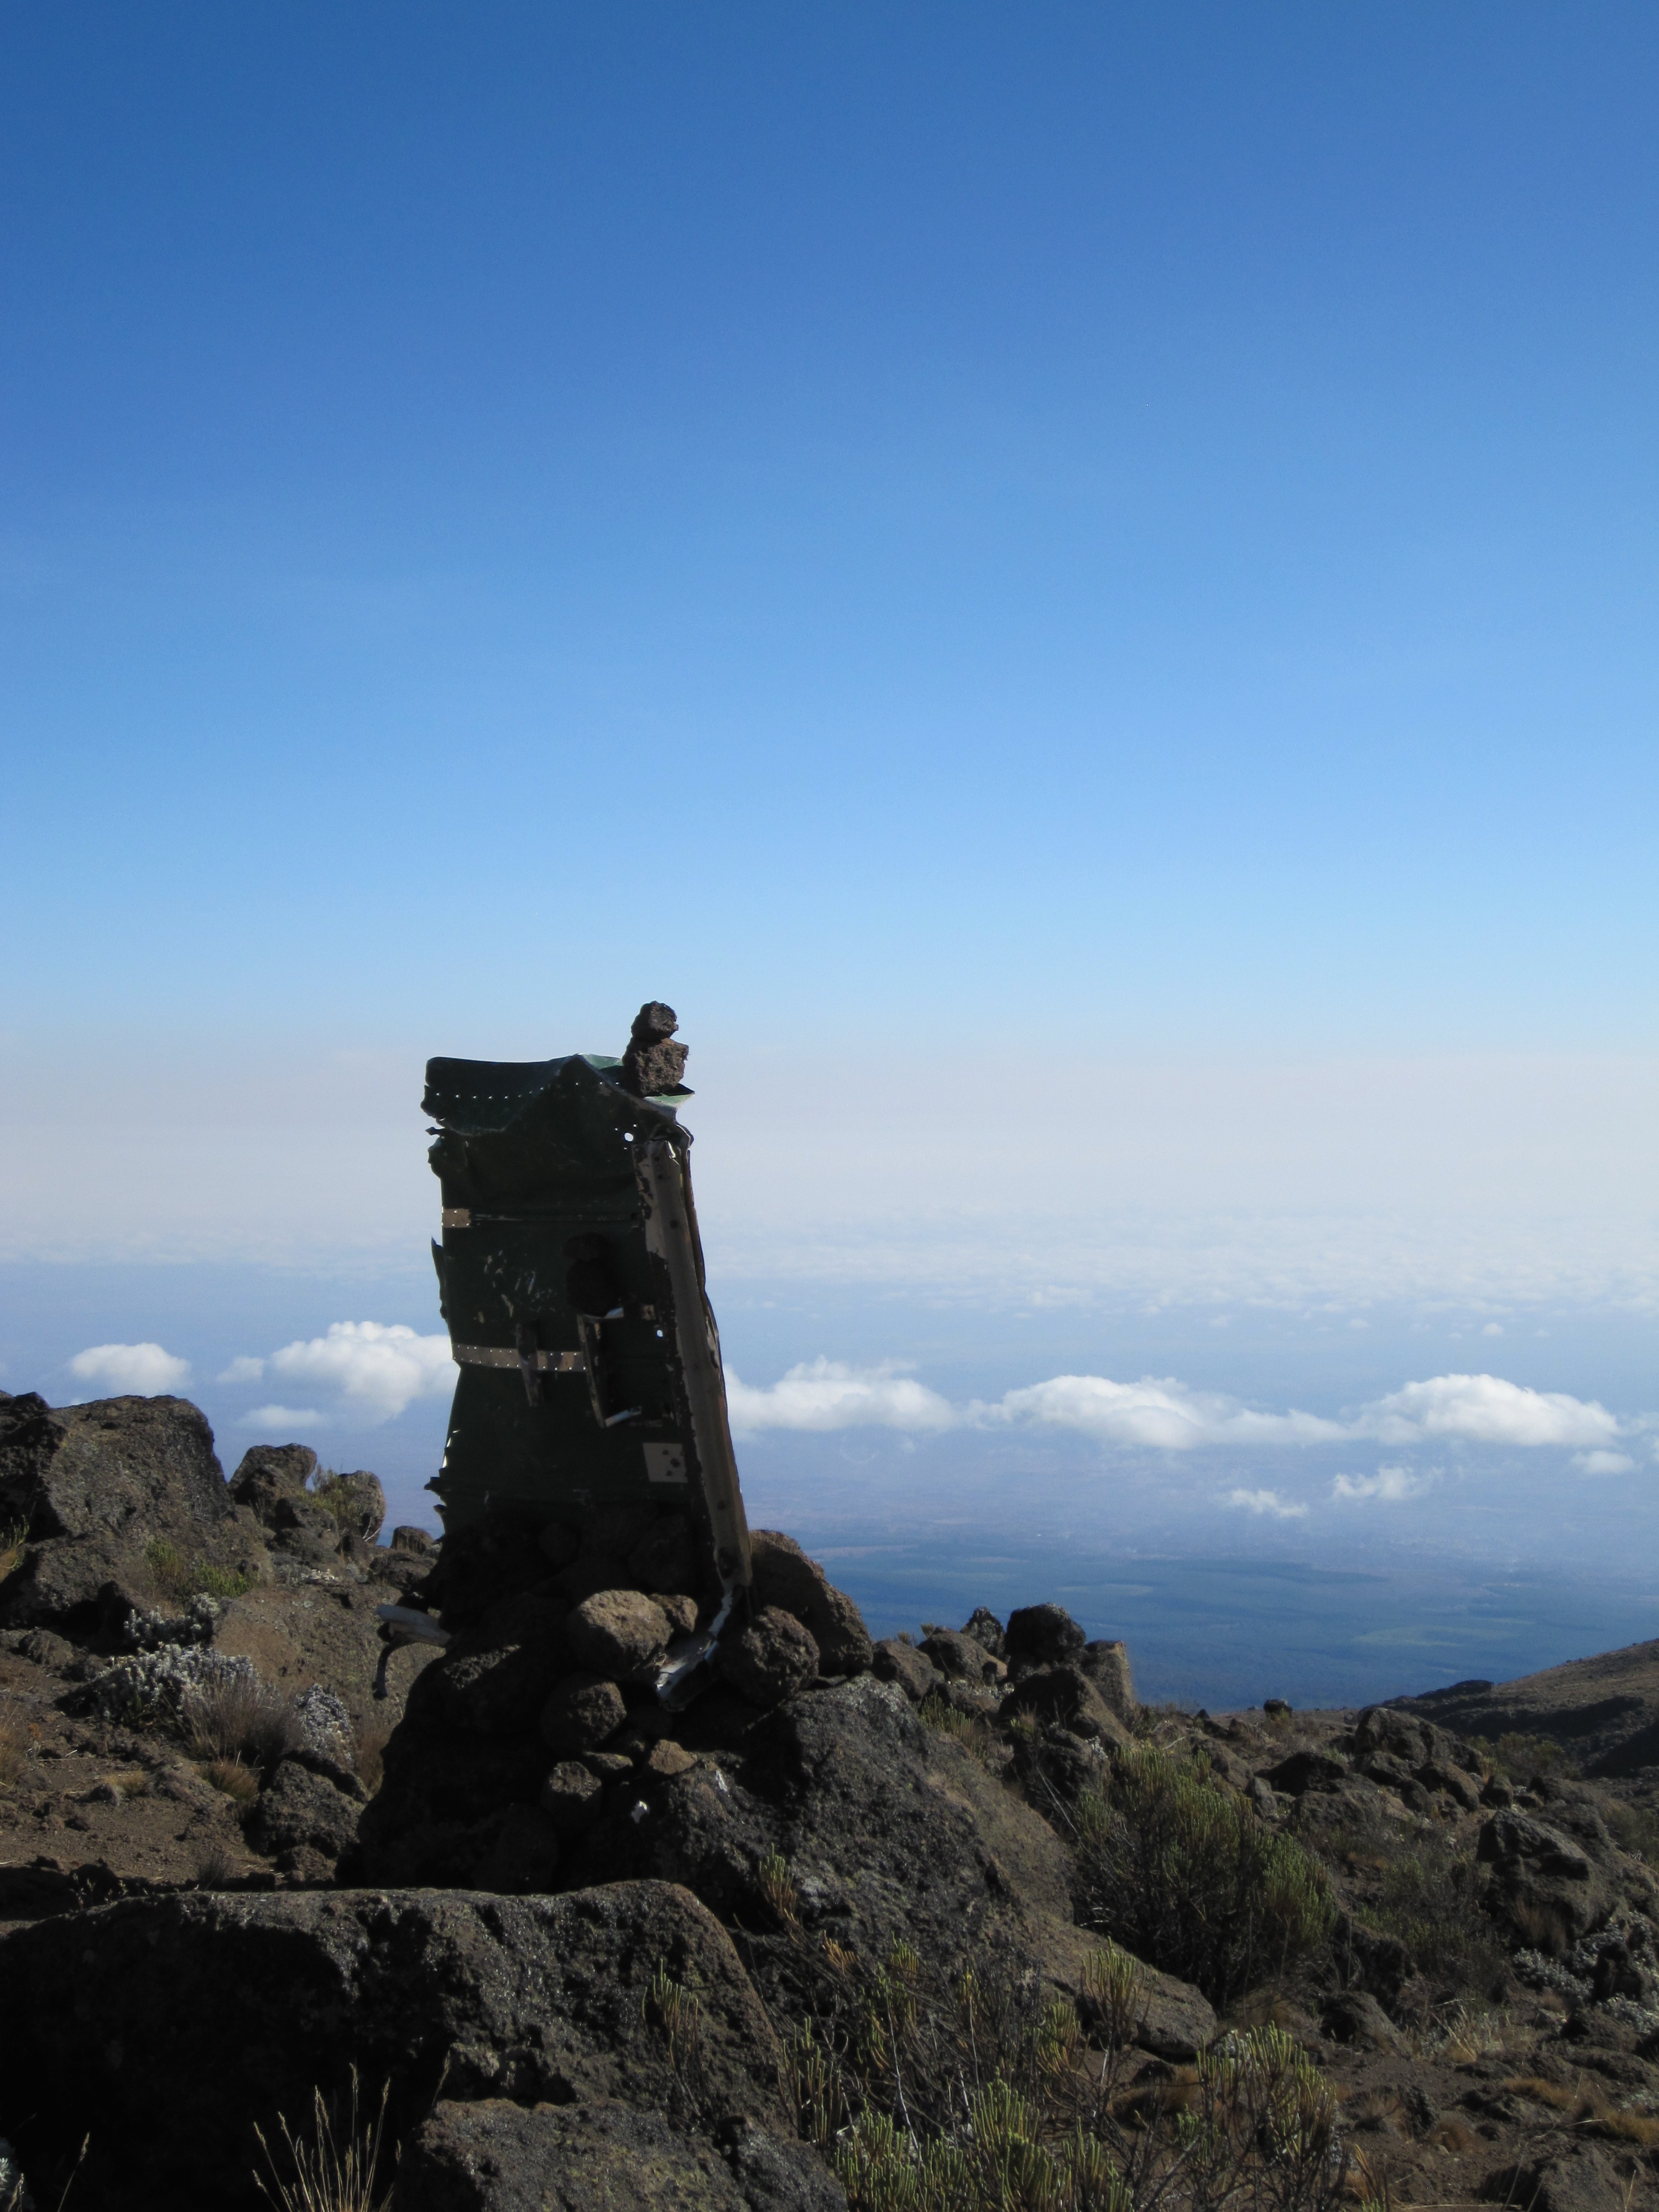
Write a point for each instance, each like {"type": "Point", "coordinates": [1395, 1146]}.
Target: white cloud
{"type": "Point", "coordinates": [825, 1394]}
{"type": "Point", "coordinates": [1486, 1410]}
{"type": "Point", "coordinates": [1603, 1462]}
{"type": "Point", "coordinates": [1160, 1413]}
{"type": "Point", "coordinates": [281, 1417]}
{"type": "Point", "coordinates": [1265, 1501]}
{"type": "Point", "coordinates": [1493, 1329]}
{"type": "Point", "coordinates": [1163, 1414]}
{"type": "Point", "coordinates": [377, 1367]}
{"type": "Point", "coordinates": [1391, 1485]}
{"type": "Point", "coordinates": [131, 1369]}
{"type": "Point", "coordinates": [242, 1370]}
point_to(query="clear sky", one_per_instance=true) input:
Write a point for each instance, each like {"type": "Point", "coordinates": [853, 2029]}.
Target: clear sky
{"type": "Point", "coordinates": [1084, 572]}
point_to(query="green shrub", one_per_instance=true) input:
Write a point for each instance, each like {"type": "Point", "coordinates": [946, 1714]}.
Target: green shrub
{"type": "Point", "coordinates": [982, 2096]}
{"type": "Point", "coordinates": [1634, 1828]}
{"type": "Point", "coordinates": [342, 1495]}
{"type": "Point", "coordinates": [1518, 1757]}
{"type": "Point", "coordinates": [1183, 1874]}
{"type": "Point", "coordinates": [1418, 1886]}
{"type": "Point", "coordinates": [177, 1578]}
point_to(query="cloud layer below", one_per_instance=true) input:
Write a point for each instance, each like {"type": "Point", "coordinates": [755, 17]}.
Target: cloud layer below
{"type": "Point", "coordinates": [1162, 1414]}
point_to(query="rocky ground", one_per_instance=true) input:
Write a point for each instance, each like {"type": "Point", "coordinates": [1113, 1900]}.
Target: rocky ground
{"type": "Point", "coordinates": [945, 1921]}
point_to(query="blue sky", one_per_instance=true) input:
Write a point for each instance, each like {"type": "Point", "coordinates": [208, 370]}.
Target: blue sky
{"type": "Point", "coordinates": [1074, 585]}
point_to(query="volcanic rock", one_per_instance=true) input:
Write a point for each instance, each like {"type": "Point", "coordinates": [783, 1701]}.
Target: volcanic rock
{"type": "Point", "coordinates": [269, 1475]}
{"type": "Point", "coordinates": [302, 1808]}
{"type": "Point", "coordinates": [964, 1658]}
{"type": "Point", "coordinates": [1041, 1636]}
{"type": "Point", "coordinates": [618, 1632]}
{"type": "Point", "coordinates": [1107, 1665]}
{"type": "Point", "coordinates": [571, 1797]}
{"type": "Point", "coordinates": [1065, 1697]}
{"type": "Point", "coordinates": [583, 1711]}
{"type": "Point", "coordinates": [358, 1502]}
{"type": "Point", "coordinates": [895, 1659]}
{"type": "Point", "coordinates": [265, 1998]}
{"type": "Point", "coordinates": [489, 1558]}
{"type": "Point", "coordinates": [785, 1577]}
{"type": "Point", "coordinates": [94, 1487]}
{"type": "Point", "coordinates": [772, 1657]}
{"type": "Point", "coordinates": [985, 1628]}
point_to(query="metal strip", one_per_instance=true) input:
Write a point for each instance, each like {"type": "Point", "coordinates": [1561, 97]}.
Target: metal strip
{"type": "Point", "coordinates": [669, 1233]}
{"type": "Point", "coordinates": [495, 1355]}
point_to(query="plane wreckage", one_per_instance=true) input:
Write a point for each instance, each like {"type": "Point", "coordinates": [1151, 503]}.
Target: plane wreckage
{"type": "Point", "coordinates": [571, 1278]}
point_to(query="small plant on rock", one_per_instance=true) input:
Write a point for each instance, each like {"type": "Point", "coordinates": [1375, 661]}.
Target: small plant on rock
{"type": "Point", "coordinates": [776, 1887]}
{"type": "Point", "coordinates": [13, 1540]}
{"type": "Point", "coordinates": [341, 1496]}
{"type": "Point", "coordinates": [670, 2005]}
{"type": "Point", "coordinates": [938, 1714]}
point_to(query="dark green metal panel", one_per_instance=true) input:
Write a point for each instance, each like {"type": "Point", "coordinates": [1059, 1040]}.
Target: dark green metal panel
{"type": "Point", "coordinates": [570, 1392]}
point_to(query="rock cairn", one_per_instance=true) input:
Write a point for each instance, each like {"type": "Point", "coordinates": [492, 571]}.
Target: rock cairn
{"type": "Point", "coordinates": [543, 1713]}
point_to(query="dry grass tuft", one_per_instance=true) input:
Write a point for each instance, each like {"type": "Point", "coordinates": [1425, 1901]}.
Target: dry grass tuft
{"type": "Point", "coordinates": [965, 1729]}
{"type": "Point", "coordinates": [1468, 2037]}
{"type": "Point", "coordinates": [134, 1783]}
{"type": "Point", "coordinates": [231, 1776]}
{"type": "Point", "coordinates": [1554, 2093]}
{"type": "Point", "coordinates": [14, 1740]}
{"type": "Point", "coordinates": [242, 1718]}
{"type": "Point", "coordinates": [215, 1868]}
{"type": "Point", "coordinates": [332, 2172]}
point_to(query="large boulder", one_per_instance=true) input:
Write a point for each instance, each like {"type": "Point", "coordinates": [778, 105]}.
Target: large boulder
{"type": "Point", "coordinates": [167, 2029]}
{"type": "Point", "coordinates": [495, 1681]}
{"type": "Point", "coordinates": [785, 1577]}
{"type": "Point", "coordinates": [1106, 1662]}
{"type": "Point", "coordinates": [308, 1806]}
{"type": "Point", "coordinates": [357, 1501]}
{"type": "Point", "coordinates": [890, 1828]}
{"type": "Point", "coordinates": [895, 1659]}
{"type": "Point", "coordinates": [105, 1491]}
{"type": "Point", "coordinates": [271, 1481]}
{"type": "Point", "coordinates": [1041, 1636]}
{"type": "Point", "coordinates": [1064, 1697]}
{"type": "Point", "coordinates": [1550, 1881]}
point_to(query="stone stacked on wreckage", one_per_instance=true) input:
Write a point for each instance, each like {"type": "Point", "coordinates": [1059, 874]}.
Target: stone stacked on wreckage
{"type": "Point", "coordinates": [538, 1733]}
